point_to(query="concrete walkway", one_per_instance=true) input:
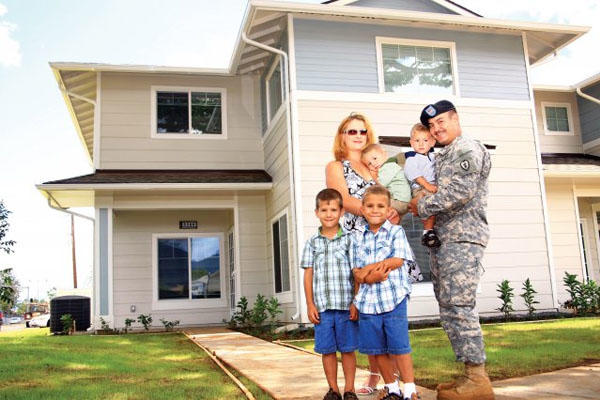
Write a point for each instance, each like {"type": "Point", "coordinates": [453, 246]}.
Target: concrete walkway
{"type": "Point", "coordinates": [290, 374]}
{"type": "Point", "coordinates": [579, 383]}
{"type": "Point", "coordinates": [282, 372]}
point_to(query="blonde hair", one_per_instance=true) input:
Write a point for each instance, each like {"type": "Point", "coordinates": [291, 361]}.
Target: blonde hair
{"type": "Point", "coordinates": [339, 148]}
{"type": "Point", "coordinates": [377, 190]}
{"type": "Point", "coordinates": [418, 128]}
{"type": "Point", "coordinates": [373, 147]}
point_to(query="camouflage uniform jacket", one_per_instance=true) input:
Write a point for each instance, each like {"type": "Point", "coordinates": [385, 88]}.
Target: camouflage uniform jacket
{"type": "Point", "coordinates": [462, 170]}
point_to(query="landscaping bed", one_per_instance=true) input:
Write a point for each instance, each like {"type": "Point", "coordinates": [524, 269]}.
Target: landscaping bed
{"type": "Point", "coordinates": [513, 349]}
{"type": "Point", "coordinates": [36, 365]}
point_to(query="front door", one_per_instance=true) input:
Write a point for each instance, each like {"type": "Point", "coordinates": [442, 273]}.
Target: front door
{"type": "Point", "coordinates": [232, 271]}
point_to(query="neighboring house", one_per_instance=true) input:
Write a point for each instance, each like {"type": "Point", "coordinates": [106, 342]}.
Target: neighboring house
{"type": "Point", "coordinates": [568, 122]}
{"type": "Point", "coordinates": [204, 180]}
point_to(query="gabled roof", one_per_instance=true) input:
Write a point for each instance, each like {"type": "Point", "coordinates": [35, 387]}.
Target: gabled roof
{"type": "Point", "coordinates": [569, 88]}
{"type": "Point", "coordinates": [450, 5]}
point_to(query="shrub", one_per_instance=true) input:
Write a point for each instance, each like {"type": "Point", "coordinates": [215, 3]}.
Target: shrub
{"type": "Point", "coordinates": [528, 296]}
{"type": "Point", "coordinates": [169, 325]}
{"type": "Point", "coordinates": [585, 297]}
{"type": "Point", "coordinates": [242, 316]}
{"type": "Point", "coordinates": [128, 323]}
{"type": "Point", "coordinates": [145, 320]}
{"type": "Point", "coordinates": [259, 312]}
{"type": "Point", "coordinates": [274, 309]}
{"type": "Point", "coordinates": [68, 323]}
{"type": "Point", "coordinates": [506, 295]}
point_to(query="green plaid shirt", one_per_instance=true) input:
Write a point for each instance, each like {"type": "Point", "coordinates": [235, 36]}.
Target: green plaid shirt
{"type": "Point", "coordinates": [333, 287]}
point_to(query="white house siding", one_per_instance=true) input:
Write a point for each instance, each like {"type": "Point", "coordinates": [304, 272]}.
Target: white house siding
{"type": "Point", "coordinates": [558, 143]}
{"type": "Point", "coordinates": [563, 227]}
{"type": "Point", "coordinates": [126, 140]}
{"type": "Point", "coordinates": [253, 263]}
{"type": "Point", "coordinates": [341, 56]}
{"type": "Point", "coordinates": [132, 261]}
{"type": "Point", "coordinates": [517, 248]}
{"type": "Point", "coordinates": [138, 216]}
{"type": "Point", "coordinates": [279, 200]}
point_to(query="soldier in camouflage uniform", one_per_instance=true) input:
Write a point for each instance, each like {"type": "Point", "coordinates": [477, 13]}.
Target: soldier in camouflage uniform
{"type": "Point", "coordinates": [462, 169]}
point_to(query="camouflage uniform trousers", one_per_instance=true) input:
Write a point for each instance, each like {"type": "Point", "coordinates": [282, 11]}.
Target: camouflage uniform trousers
{"type": "Point", "coordinates": [455, 272]}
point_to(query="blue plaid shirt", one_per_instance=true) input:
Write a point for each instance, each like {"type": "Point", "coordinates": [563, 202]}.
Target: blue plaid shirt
{"type": "Point", "coordinates": [333, 282]}
{"type": "Point", "coordinates": [368, 248]}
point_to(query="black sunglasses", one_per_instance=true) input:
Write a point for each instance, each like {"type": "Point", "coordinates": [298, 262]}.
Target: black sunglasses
{"type": "Point", "coordinates": [353, 132]}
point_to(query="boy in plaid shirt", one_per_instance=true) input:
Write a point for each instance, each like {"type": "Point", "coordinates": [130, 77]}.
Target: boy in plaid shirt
{"type": "Point", "coordinates": [329, 289]}
{"type": "Point", "coordinates": [377, 257]}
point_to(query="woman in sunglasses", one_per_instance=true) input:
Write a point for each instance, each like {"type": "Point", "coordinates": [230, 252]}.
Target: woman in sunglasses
{"type": "Point", "coordinates": [347, 174]}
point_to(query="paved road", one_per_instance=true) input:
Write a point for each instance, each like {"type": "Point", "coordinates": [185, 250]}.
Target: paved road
{"type": "Point", "coordinates": [12, 327]}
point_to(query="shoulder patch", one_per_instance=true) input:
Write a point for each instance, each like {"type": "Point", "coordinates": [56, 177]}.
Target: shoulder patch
{"type": "Point", "coordinates": [465, 164]}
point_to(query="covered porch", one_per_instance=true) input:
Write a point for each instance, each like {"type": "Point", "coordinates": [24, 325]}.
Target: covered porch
{"type": "Point", "coordinates": [180, 245]}
{"type": "Point", "coordinates": [573, 197]}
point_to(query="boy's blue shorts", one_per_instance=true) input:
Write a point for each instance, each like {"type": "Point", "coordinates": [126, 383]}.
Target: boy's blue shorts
{"type": "Point", "coordinates": [385, 333]}
{"type": "Point", "coordinates": [335, 332]}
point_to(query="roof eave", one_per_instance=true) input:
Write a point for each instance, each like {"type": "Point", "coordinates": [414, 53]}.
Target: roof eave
{"type": "Point", "coordinates": [157, 69]}
{"type": "Point", "coordinates": [156, 186]}
{"type": "Point", "coordinates": [67, 100]}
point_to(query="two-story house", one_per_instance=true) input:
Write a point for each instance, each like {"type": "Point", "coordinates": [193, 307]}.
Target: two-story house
{"type": "Point", "coordinates": [204, 180]}
{"type": "Point", "coordinates": [568, 122]}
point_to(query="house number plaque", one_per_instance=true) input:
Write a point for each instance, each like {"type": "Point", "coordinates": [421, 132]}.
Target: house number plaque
{"type": "Point", "coordinates": [188, 224]}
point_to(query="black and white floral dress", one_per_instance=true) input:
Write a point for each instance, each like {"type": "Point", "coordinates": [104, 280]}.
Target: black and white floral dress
{"type": "Point", "coordinates": [357, 185]}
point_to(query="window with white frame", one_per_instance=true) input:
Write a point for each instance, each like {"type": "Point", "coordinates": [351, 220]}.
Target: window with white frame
{"type": "Point", "coordinates": [188, 112]}
{"type": "Point", "coordinates": [189, 267]}
{"type": "Point", "coordinates": [416, 66]}
{"type": "Point", "coordinates": [281, 264]}
{"type": "Point", "coordinates": [274, 89]}
{"type": "Point", "coordinates": [557, 118]}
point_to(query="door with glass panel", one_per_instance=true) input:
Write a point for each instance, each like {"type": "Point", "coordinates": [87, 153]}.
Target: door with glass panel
{"type": "Point", "coordinates": [232, 271]}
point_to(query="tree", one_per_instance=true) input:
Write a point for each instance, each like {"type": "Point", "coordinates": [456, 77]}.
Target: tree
{"type": "Point", "coordinates": [9, 286]}
{"type": "Point", "coordinates": [51, 293]}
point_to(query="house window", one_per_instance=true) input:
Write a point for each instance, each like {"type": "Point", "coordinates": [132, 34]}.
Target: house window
{"type": "Point", "coordinates": [189, 269]}
{"type": "Point", "coordinates": [281, 266]}
{"type": "Point", "coordinates": [274, 89]}
{"type": "Point", "coordinates": [413, 227]}
{"type": "Point", "coordinates": [416, 66]}
{"type": "Point", "coordinates": [557, 118]}
{"type": "Point", "coordinates": [188, 112]}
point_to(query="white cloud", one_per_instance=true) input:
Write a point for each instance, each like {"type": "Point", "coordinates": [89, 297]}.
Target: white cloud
{"type": "Point", "coordinates": [10, 51]}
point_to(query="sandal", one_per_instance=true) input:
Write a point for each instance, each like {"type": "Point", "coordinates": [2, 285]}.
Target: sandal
{"type": "Point", "coordinates": [365, 389]}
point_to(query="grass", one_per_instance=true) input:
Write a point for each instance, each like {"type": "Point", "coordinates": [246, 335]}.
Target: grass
{"type": "Point", "coordinates": [513, 349]}
{"type": "Point", "coordinates": [35, 365]}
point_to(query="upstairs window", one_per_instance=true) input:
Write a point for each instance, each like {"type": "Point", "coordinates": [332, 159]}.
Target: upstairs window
{"type": "Point", "coordinates": [188, 112]}
{"type": "Point", "coordinates": [557, 118]}
{"type": "Point", "coordinates": [274, 89]}
{"type": "Point", "coordinates": [416, 66]}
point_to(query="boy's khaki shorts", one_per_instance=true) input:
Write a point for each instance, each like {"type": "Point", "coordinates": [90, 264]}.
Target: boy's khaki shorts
{"type": "Point", "coordinates": [400, 206]}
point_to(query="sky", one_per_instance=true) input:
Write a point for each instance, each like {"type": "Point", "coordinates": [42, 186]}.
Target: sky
{"type": "Point", "coordinates": [38, 141]}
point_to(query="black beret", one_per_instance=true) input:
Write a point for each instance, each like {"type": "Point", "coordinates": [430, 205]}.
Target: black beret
{"type": "Point", "coordinates": [432, 110]}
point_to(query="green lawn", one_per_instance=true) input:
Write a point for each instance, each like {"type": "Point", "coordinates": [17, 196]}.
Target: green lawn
{"type": "Point", "coordinates": [514, 349]}
{"type": "Point", "coordinates": [35, 365]}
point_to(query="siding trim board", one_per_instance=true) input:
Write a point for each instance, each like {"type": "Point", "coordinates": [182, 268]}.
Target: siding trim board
{"type": "Point", "coordinates": [381, 40]}
{"type": "Point", "coordinates": [542, 183]}
{"type": "Point", "coordinates": [397, 98]}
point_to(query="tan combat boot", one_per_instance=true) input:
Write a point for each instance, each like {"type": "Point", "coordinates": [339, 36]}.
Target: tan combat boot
{"type": "Point", "coordinates": [474, 385]}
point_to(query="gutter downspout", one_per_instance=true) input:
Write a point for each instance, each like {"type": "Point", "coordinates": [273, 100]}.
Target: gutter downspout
{"type": "Point", "coordinates": [587, 96]}
{"type": "Point", "coordinates": [291, 154]}
{"type": "Point", "coordinates": [65, 210]}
